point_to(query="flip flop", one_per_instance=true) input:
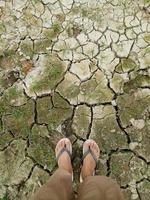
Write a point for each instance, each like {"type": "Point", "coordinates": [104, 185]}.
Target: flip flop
{"type": "Point", "coordinates": [85, 153]}
{"type": "Point", "coordinates": [65, 149]}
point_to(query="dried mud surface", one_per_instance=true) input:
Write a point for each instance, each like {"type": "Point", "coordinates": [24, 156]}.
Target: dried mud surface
{"type": "Point", "coordinates": [78, 69]}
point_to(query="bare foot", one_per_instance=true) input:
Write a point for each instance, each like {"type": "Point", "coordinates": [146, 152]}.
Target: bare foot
{"type": "Point", "coordinates": [64, 161]}
{"type": "Point", "coordinates": [89, 164]}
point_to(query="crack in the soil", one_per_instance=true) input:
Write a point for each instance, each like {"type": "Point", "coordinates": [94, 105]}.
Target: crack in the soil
{"type": "Point", "coordinates": [90, 124]}
{"type": "Point", "coordinates": [120, 125]}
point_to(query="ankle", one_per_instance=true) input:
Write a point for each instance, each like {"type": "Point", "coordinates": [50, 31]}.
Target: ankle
{"type": "Point", "coordinates": [86, 171]}
{"type": "Point", "coordinates": [66, 168]}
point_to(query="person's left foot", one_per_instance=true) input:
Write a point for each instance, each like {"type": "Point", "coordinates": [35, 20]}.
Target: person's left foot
{"type": "Point", "coordinates": [89, 162]}
{"type": "Point", "coordinates": [64, 160]}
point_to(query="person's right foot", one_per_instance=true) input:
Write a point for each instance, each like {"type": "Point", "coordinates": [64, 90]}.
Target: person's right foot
{"type": "Point", "coordinates": [89, 163]}
{"type": "Point", "coordinates": [64, 160]}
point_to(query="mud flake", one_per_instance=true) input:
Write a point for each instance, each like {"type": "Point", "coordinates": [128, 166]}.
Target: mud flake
{"type": "Point", "coordinates": [143, 189]}
{"type": "Point", "coordinates": [48, 72]}
{"type": "Point", "coordinates": [117, 83]}
{"type": "Point", "coordinates": [26, 47]}
{"type": "Point", "coordinates": [69, 87]}
{"type": "Point", "coordinates": [13, 159]}
{"type": "Point", "coordinates": [55, 115]}
{"type": "Point", "coordinates": [81, 121]}
{"type": "Point", "coordinates": [140, 138]}
{"type": "Point", "coordinates": [126, 65]}
{"type": "Point", "coordinates": [126, 168]}
{"type": "Point", "coordinates": [106, 129]}
{"type": "Point", "coordinates": [19, 119]}
{"type": "Point", "coordinates": [81, 69]}
{"type": "Point", "coordinates": [133, 105]}
{"type": "Point", "coordinates": [37, 179]}
{"type": "Point", "coordinates": [95, 90]}
{"type": "Point", "coordinates": [40, 147]}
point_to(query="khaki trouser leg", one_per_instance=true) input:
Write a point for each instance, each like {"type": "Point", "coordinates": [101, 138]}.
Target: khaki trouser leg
{"type": "Point", "coordinates": [59, 187]}
{"type": "Point", "coordinates": [99, 188]}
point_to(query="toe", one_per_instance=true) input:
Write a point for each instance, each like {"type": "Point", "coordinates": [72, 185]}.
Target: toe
{"type": "Point", "coordinates": [86, 146]}
{"type": "Point", "coordinates": [97, 151]}
{"type": "Point", "coordinates": [62, 143]}
{"type": "Point", "coordinates": [92, 145]}
{"type": "Point", "coordinates": [68, 145]}
{"type": "Point", "coordinates": [95, 147]}
{"type": "Point", "coordinates": [59, 146]}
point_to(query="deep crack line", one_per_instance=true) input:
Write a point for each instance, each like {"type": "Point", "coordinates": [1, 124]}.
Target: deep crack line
{"type": "Point", "coordinates": [120, 126]}
{"type": "Point", "coordinates": [91, 123]}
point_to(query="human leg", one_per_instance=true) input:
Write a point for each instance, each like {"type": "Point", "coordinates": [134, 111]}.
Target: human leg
{"type": "Point", "coordinates": [95, 187]}
{"type": "Point", "coordinates": [99, 188]}
{"type": "Point", "coordinates": [59, 186]}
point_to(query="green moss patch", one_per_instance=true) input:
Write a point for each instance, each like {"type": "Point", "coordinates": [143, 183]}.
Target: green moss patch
{"type": "Point", "coordinates": [40, 147]}
{"type": "Point", "coordinates": [133, 105]}
{"type": "Point", "coordinates": [52, 73]}
{"type": "Point", "coordinates": [18, 120]}
{"type": "Point", "coordinates": [126, 65]}
{"type": "Point", "coordinates": [125, 167]}
{"type": "Point", "coordinates": [138, 82]}
{"type": "Point", "coordinates": [53, 115]}
{"type": "Point", "coordinates": [147, 36]}
{"type": "Point", "coordinates": [26, 47]}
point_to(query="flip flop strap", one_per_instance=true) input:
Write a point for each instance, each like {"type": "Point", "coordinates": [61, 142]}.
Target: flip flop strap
{"type": "Point", "coordinates": [92, 154]}
{"type": "Point", "coordinates": [62, 151]}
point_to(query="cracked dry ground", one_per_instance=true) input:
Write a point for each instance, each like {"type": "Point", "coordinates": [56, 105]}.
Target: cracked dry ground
{"type": "Point", "coordinates": [79, 69]}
